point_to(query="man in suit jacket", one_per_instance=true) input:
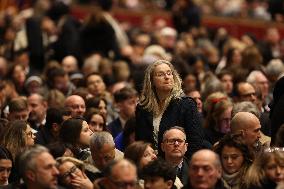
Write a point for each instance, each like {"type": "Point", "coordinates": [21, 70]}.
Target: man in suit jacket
{"type": "Point", "coordinates": [174, 146]}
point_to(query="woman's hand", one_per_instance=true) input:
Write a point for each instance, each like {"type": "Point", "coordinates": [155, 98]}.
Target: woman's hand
{"type": "Point", "coordinates": [82, 183]}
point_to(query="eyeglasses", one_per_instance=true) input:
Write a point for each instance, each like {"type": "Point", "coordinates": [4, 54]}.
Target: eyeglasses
{"type": "Point", "coordinates": [122, 184]}
{"type": "Point", "coordinates": [248, 95]}
{"type": "Point", "coordinates": [174, 141]}
{"type": "Point", "coordinates": [68, 173]}
{"type": "Point", "coordinates": [163, 74]}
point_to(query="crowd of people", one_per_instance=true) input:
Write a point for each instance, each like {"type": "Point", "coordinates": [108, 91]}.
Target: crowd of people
{"type": "Point", "coordinates": [93, 104]}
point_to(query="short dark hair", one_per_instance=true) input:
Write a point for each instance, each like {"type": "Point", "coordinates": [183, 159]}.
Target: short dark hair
{"type": "Point", "coordinates": [124, 94]}
{"type": "Point", "coordinates": [55, 115]}
{"type": "Point", "coordinates": [159, 168]}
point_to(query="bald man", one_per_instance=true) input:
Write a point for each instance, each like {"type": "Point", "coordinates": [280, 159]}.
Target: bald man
{"type": "Point", "coordinates": [247, 126]}
{"type": "Point", "coordinates": [119, 174]}
{"type": "Point", "coordinates": [69, 64]}
{"type": "Point", "coordinates": [76, 104]}
{"type": "Point", "coordinates": [205, 170]}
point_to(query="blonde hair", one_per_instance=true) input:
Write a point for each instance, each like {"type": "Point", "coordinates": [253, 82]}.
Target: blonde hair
{"type": "Point", "coordinates": [149, 99]}
{"type": "Point", "coordinates": [78, 163]}
{"type": "Point", "coordinates": [256, 173]}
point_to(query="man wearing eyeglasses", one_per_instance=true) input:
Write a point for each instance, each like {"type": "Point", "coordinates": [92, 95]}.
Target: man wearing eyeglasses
{"type": "Point", "coordinates": [120, 174]}
{"type": "Point", "coordinates": [174, 146]}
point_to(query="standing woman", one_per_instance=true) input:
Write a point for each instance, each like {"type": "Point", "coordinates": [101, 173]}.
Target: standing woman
{"type": "Point", "coordinates": [163, 105]}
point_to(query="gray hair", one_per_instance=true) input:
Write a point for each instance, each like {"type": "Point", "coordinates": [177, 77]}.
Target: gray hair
{"type": "Point", "coordinates": [174, 127]}
{"type": "Point", "coordinates": [27, 159]}
{"type": "Point", "coordinates": [275, 68]}
{"type": "Point", "coordinates": [253, 75]}
{"type": "Point", "coordinates": [98, 140]}
{"type": "Point", "coordinates": [245, 106]}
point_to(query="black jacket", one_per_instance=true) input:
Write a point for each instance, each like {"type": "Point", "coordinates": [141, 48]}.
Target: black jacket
{"type": "Point", "coordinates": [180, 112]}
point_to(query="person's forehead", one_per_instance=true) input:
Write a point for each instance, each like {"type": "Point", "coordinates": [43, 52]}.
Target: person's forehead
{"type": "Point", "coordinates": [261, 78]}
{"type": "Point", "coordinates": [253, 125]}
{"type": "Point", "coordinates": [106, 149]}
{"type": "Point", "coordinates": [94, 77]}
{"type": "Point", "coordinates": [174, 133]}
{"type": "Point", "coordinates": [230, 150]}
{"type": "Point", "coordinates": [162, 67]}
{"type": "Point", "coordinates": [66, 165]}
{"type": "Point", "coordinates": [5, 163]}
{"type": "Point", "coordinates": [44, 159]}
{"type": "Point", "coordinates": [123, 171]}
{"type": "Point", "coordinates": [75, 100]}
{"type": "Point", "coordinates": [203, 158]}
{"type": "Point", "coordinates": [195, 94]}
{"type": "Point", "coordinates": [246, 87]}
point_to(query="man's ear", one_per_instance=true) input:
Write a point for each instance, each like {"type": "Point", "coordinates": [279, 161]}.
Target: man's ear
{"type": "Point", "coordinates": [242, 132]}
{"type": "Point", "coordinates": [186, 146]}
{"type": "Point", "coordinates": [170, 183]}
{"type": "Point", "coordinates": [219, 169]}
{"type": "Point", "coordinates": [162, 146]}
{"type": "Point", "coordinates": [30, 175]}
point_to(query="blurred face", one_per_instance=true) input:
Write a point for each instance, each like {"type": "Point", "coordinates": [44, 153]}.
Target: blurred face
{"type": "Point", "coordinates": [96, 123]}
{"type": "Point", "coordinates": [85, 135]}
{"type": "Point", "coordinates": [189, 82]}
{"type": "Point", "coordinates": [37, 108]}
{"type": "Point", "coordinates": [103, 108]}
{"type": "Point", "coordinates": [163, 79]}
{"type": "Point", "coordinates": [148, 156]}
{"type": "Point", "coordinates": [5, 170]}
{"type": "Point", "coordinates": [157, 183]}
{"type": "Point", "coordinates": [61, 83]}
{"type": "Point", "coordinates": [45, 175]}
{"type": "Point", "coordinates": [30, 137]}
{"type": "Point", "coordinates": [174, 144]}
{"type": "Point", "coordinates": [19, 75]}
{"type": "Point", "coordinates": [69, 64]}
{"type": "Point", "coordinates": [227, 83]}
{"type": "Point", "coordinates": [203, 173]}
{"type": "Point", "coordinates": [68, 172]}
{"type": "Point", "coordinates": [127, 107]}
{"type": "Point", "coordinates": [34, 87]}
{"type": "Point", "coordinates": [247, 92]}
{"type": "Point", "coordinates": [76, 105]}
{"type": "Point", "coordinates": [232, 159]}
{"type": "Point", "coordinates": [225, 121]}
{"type": "Point", "coordinates": [103, 156]}
{"type": "Point", "coordinates": [237, 57]}
{"type": "Point", "coordinates": [262, 84]}
{"type": "Point", "coordinates": [95, 85]}
{"type": "Point", "coordinates": [274, 171]}
{"type": "Point", "coordinates": [251, 134]}
{"type": "Point", "coordinates": [124, 176]}
{"type": "Point", "coordinates": [197, 98]}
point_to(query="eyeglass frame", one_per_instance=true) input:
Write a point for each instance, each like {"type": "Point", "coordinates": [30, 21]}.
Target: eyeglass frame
{"type": "Point", "coordinates": [179, 141]}
{"type": "Point", "coordinates": [163, 74]}
{"type": "Point", "coordinates": [68, 173]}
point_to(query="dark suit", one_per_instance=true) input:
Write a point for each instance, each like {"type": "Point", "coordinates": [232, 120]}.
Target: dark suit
{"type": "Point", "coordinates": [180, 112]}
{"type": "Point", "coordinates": [182, 173]}
{"type": "Point", "coordinates": [115, 127]}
